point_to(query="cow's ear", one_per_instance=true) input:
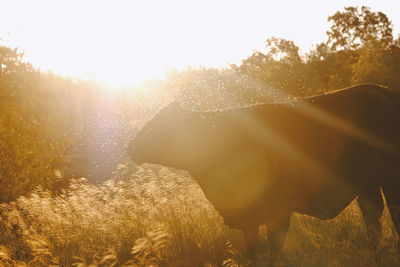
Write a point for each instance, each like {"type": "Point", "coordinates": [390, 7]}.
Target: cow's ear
{"type": "Point", "coordinates": [174, 106]}
{"type": "Point", "coordinates": [171, 111]}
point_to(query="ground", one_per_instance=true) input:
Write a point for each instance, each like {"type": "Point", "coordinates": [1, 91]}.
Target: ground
{"type": "Point", "coordinates": [154, 215]}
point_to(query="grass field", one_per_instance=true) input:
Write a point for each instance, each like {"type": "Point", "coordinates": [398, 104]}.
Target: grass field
{"type": "Point", "coordinates": [151, 215]}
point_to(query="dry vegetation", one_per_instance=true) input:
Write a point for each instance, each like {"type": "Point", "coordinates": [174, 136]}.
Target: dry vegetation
{"type": "Point", "coordinates": [155, 216]}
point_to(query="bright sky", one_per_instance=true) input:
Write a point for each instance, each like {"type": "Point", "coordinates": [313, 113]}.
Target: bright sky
{"type": "Point", "coordinates": [127, 42]}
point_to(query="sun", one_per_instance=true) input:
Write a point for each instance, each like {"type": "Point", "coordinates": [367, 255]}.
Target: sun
{"type": "Point", "coordinates": [124, 43]}
{"type": "Point", "coordinates": [118, 60]}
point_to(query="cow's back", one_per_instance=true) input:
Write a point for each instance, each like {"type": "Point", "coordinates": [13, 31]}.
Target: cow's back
{"type": "Point", "coordinates": [321, 150]}
{"type": "Point", "coordinates": [368, 116]}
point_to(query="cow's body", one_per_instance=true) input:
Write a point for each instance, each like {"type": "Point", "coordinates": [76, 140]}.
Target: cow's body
{"type": "Point", "coordinates": [258, 164]}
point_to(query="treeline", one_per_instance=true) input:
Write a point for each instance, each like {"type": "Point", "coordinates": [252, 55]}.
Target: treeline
{"type": "Point", "coordinates": [54, 128]}
{"type": "Point", "coordinates": [360, 48]}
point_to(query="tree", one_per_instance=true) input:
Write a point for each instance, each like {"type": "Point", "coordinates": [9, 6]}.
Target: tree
{"type": "Point", "coordinates": [359, 50]}
{"type": "Point", "coordinates": [371, 66]}
{"type": "Point", "coordinates": [353, 28]}
{"type": "Point", "coordinates": [280, 68]}
{"type": "Point", "coordinates": [283, 50]}
{"type": "Point", "coordinates": [30, 146]}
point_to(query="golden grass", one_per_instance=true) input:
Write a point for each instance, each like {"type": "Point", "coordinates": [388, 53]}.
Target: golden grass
{"type": "Point", "coordinates": [156, 216]}
{"type": "Point", "coordinates": [151, 215]}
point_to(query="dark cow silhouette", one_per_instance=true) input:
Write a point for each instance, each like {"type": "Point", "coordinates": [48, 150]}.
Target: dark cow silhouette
{"type": "Point", "coordinates": [260, 163]}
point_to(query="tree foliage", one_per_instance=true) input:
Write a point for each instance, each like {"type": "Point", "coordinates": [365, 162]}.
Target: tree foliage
{"type": "Point", "coordinates": [360, 49]}
{"type": "Point", "coordinates": [354, 27]}
{"type": "Point", "coordinates": [30, 146]}
{"type": "Point", "coordinates": [281, 68]}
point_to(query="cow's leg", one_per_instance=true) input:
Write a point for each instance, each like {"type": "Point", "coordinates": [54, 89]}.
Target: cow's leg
{"type": "Point", "coordinates": [393, 201]}
{"type": "Point", "coordinates": [371, 206]}
{"type": "Point", "coordinates": [395, 214]}
{"type": "Point", "coordinates": [251, 239]}
{"type": "Point", "coordinates": [277, 236]}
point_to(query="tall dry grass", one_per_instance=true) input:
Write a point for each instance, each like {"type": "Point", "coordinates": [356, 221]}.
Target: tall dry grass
{"type": "Point", "coordinates": [151, 215]}
{"type": "Point", "coordinates": [147, 215]}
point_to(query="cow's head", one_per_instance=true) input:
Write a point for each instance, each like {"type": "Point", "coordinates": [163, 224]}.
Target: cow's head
{"type": "Point", "coordinates": [165, 139]}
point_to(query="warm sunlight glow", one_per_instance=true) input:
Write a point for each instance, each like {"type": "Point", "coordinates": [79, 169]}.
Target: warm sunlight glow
{"type": "Point", "coordinates": [127, 42]}
{"type": "Point", "coordinates": [199, 133]}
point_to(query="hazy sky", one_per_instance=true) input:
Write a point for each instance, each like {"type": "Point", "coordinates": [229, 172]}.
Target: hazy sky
{"type": "Point", "coordinates": [126, 42]}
